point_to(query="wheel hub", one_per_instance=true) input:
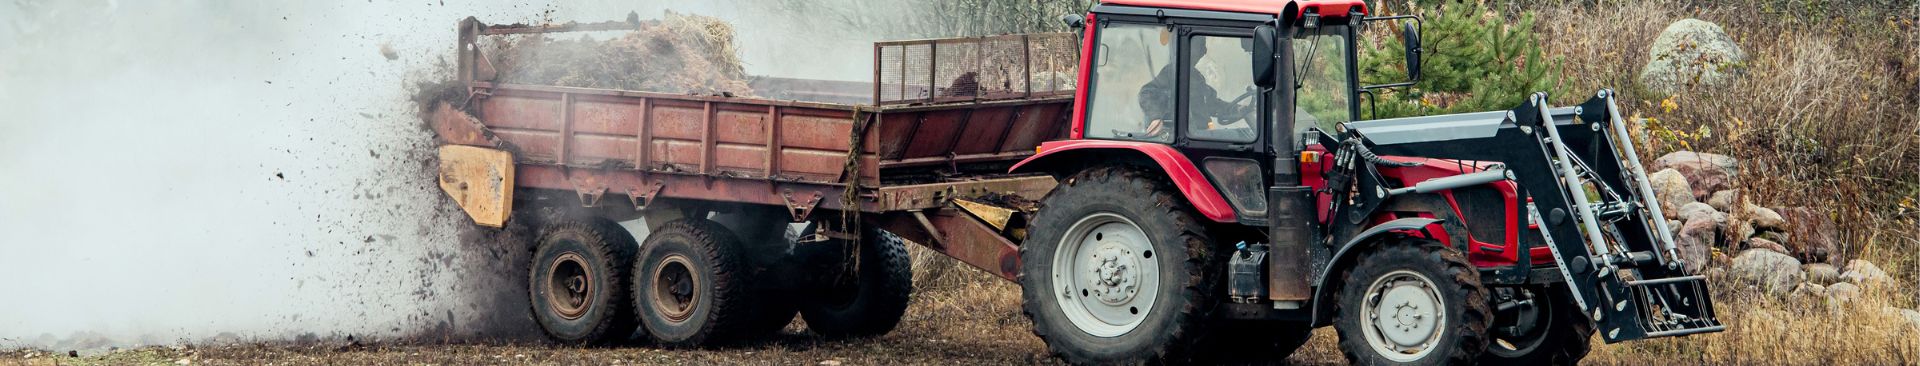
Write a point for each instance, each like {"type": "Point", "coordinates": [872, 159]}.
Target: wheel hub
{"type": "Point", "coordinates": [674, 288]}
{"type": "Point", "coordinates": [1114, 280]}
{"type": "Point", "coordinates": [570, 286]}
{"type": "Point", "coordinates": [1406, 315]}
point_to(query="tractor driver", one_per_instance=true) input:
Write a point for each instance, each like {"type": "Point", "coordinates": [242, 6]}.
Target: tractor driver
{"type": "Point", "coordinates": [1204, 103]}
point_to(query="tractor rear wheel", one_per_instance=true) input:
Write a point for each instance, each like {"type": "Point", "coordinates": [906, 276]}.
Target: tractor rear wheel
{"type": "Point", "coordinates": [861, 295]}
{"type": "Point", "coordinates": [1118, 270]}
{"type": "Point", "coordinates": [578, 281]}
{"type": "Point", "coordinates": [1548, 330]}
{"type": "Point", "coordinates": [1413, 301]}
{"type": "Point", "coordinates": [692, 285]}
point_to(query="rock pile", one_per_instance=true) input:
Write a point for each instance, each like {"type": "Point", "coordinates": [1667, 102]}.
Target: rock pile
{"type": "Point", "coordinates": [1782, 251]}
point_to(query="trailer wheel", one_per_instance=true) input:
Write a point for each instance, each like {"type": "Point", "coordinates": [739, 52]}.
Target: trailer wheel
{"type": "Point", "coordinates": [1413, 301]}
{"type": "Point", "coordinates": [870, 300]}
{"type": "Point", "coordinates": [1549, 331]}
{"type": "Point", "coordinates": [691, 285]}
{"type": "Point", "coordinates": [578, 281]}
{"type": "Point", "coordinates": [1118, 270]}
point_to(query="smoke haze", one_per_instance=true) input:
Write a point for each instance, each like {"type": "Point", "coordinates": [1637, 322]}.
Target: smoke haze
{"type": "Point", "coordinates": [209, 170]}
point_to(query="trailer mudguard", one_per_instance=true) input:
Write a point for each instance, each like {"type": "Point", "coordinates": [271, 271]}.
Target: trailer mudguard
{"type": "Point", "coordinates": [1063, 158]}
{"type": "Point", "coordinates": [1342, 257]}
{"type": "Point", "coordinates": [480, 180]}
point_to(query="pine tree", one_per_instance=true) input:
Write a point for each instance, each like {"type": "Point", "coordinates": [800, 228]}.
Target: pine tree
{"type": "Point", "coordinates": [1475, 60]}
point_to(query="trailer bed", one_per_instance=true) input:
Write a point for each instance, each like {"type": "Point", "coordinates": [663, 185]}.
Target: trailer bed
{"type": "Point", "coordinates": [933, 128]}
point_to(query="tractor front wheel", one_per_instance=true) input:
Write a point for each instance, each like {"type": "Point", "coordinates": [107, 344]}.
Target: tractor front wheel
{"type": "Point", "coordinates": [1413, 301]}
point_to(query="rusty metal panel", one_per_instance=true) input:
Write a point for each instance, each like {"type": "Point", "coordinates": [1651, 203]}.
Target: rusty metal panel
{"type": "Point", "coordinates": [984, 129]}
{"type": "Point", "coordinates": [956, 235]}
{"type": "Point", "coordinates": [605, 115]}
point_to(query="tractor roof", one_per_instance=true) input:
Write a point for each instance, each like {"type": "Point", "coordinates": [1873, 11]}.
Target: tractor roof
{"type": "Point", "coordinates": [1323, 7]}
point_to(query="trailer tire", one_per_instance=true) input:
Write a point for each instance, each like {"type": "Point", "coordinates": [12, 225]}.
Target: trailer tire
{"type": "Point", "coordinates": [578, 283]}
{"type": "Point", "coordinates": [872, 300]}
{"type": "Point", "coordinates": [1154, 279]}
{"type": "Point", "coordinates": [1562, 335]}
{"type": "Point", "coordinates": [692, 285]}
{"type": "Point", "coordinates": [1444, 311]}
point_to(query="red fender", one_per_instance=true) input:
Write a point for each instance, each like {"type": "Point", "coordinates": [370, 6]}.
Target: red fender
{"type": "Point", "coordinates": [1198, 190]}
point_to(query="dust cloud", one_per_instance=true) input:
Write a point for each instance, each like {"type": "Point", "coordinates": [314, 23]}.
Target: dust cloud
{"type": "Point", "coordinates": [213, 171]}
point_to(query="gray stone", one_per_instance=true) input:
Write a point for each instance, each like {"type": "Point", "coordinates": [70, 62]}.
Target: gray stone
{"type": "Point", "coordinates": [1695, 243]}
{"type": "Point", "coordinates": [1822, 273]}
{"type": "Point", "coordinates": [1766, 270]}
{"type": "Point", "coordinates": [1670, 187]}
{"type": "Point", "coordinates": [1691, 52]}
{"type": "Point", "coordinates": [1864, 273]}
{"type": "Point", "coordinates": [1689, 210]}
{"type": "Point", "coordinates": [1809, 291]}
{"type": "Point", "coordinates": [1724, 200]}
{"type": "Point", "coordinates": [1764, 244]}
{"type": "Point", "coordinates": [1843, 292]}
{"type": "Point", "coordinates": [1706, 172]}
{"type": "Point", "coordinates": [1764, 218]}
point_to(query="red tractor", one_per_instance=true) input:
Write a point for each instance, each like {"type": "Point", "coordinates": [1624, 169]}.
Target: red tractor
{"type": "Point", "coordinates": [1505, 237]}
{"type": "Point", "coordinates": [1209, 191]}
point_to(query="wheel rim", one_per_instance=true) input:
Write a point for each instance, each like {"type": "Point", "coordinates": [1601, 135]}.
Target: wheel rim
{"type": "Point", "coordinates": [1105, 275]}
{"type": "Point", "coordinates": [1405, 316]}
{"type": "Point", "coordinates": [570, 285]}
{"type": "Point", "coordinates": [1527, 331]}
{"type": "Point", "coordinates": [675, 288]}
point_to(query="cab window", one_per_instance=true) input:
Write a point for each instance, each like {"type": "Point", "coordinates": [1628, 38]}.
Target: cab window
{"type": "Point", "coordinates": [1220, 90]}
{"type": "Point", "coordinates": [1121, 104]}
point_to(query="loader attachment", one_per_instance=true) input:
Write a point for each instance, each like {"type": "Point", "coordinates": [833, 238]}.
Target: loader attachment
{"type": "Point", "coordinates": [1591, 199]}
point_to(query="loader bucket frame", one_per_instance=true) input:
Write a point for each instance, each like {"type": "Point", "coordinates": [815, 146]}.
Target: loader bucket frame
{"type": "Point", "coordinates": [1595, 209]}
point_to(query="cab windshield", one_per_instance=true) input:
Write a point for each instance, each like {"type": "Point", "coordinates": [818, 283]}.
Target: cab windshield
{"type": "Point", "coordinates": [1324, 96]}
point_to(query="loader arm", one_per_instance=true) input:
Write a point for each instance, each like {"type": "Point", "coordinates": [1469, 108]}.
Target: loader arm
{"type": "Point", "coordinates": [1581, 175]}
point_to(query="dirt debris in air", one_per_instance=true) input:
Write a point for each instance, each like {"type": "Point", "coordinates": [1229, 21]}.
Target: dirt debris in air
{"type": "Point", "coordinates": [679, 53]}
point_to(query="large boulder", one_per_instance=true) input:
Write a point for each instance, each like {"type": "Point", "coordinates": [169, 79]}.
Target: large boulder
{"type": "Point", "coordinates": [1695, 242]}
{"type": "Point", "coordinates": [1671, 188]}
{"type": "Point", "coordinates": [1766, 270]}
{"type": "Point", "coordinates": [1811, 233]}
{"type": "Point", "coordinates": [1706, 173]}
{"type": "Point", "coordinates": [1691, 52]}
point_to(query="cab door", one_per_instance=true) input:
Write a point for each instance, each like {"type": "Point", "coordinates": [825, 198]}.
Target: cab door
{"type": "Point", "coordinates": [1219, 114]}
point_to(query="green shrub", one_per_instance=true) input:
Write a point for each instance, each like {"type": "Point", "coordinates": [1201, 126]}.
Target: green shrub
{"type": "Point", "coordinates": [1475, 60]}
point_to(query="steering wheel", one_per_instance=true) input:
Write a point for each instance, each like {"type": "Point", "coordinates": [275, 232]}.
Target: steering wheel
{"type": "Point", "coordinates": [1245, 112]}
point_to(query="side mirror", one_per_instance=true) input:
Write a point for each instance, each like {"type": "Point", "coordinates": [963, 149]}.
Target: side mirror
{"type": "Point", "coordinates": [1411, 37]}
{"type": "Point", "coordinates": [1075, 21]}
{"type": "Point", "coordinates": [1265, 37]}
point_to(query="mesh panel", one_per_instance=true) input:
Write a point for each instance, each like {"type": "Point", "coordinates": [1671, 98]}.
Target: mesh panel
{"type": "Point", "coordinates": [974, 69]}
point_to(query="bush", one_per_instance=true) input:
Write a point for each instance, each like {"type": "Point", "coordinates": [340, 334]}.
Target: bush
{"type": "Point", "coordinates": [1475, 60]}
